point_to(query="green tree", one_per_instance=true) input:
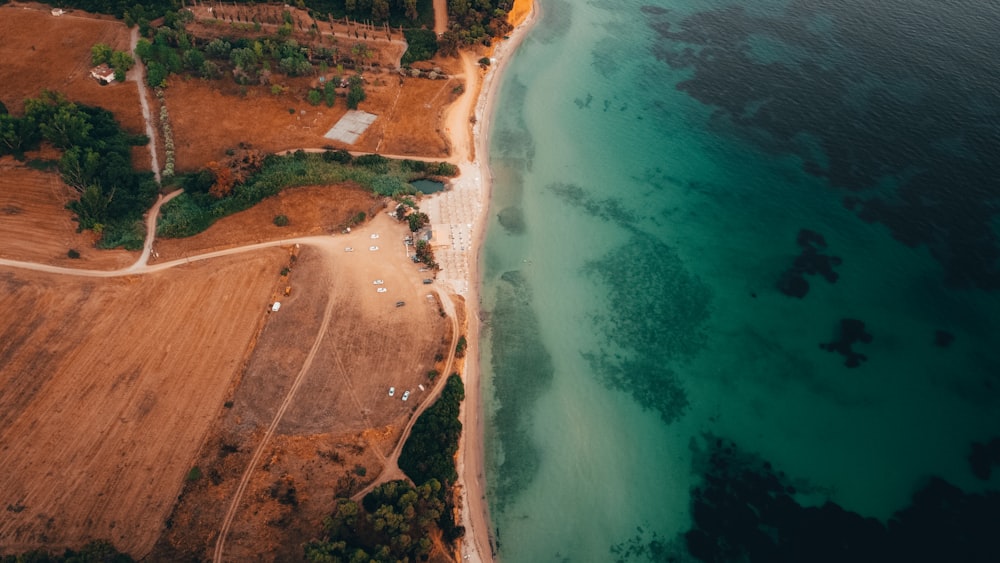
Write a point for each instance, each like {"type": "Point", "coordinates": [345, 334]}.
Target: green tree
{"type": "Point", "coordinates": [355, 92]}
{"type": "Point", "coordinates": [156, 74]}
{"type": "Point", "coordinates": [314, 97]}
{"type": "Point", "coordinates": [66, 126]}
{"type": "Point", "coordinates": [193, 59]}
{"type": "Point", "coordinates": [122, 62]}
{"type": "Point", "coordinates": [79, 166]}
{"type": "Point", "coordinates": [144, 50]}
{"type": "Point", "coordinates": [92, 207]}
{"type": "Point", "coordinates": [329, 93]}
{"type": "Point", "coordinates": [380, 10]}
{"type": "Point", "coordinates": [417, 220]}
{"type": "Point", "coordinates": [100, 54]}
{"type": "Point", "coordinates": [218, 49]}
{"type": "Point", "coordinates": [18, 134]}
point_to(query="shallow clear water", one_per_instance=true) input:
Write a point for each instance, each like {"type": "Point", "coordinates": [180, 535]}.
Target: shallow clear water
{"type": "Point", "coordinates": [646, 203]}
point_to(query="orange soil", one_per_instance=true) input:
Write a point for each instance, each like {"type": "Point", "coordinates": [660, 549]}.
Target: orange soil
{"type": "Point", "coordinates": [108, 389]}
{"type": "Point", "coordinates": [36, 226]}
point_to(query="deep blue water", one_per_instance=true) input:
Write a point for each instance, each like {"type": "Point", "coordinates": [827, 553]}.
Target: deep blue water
{"type": "Point", "coordinates": [742, 283]}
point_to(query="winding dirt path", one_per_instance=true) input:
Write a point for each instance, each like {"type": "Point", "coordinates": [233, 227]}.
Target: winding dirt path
{"type": "Point", "coordinates": [391, 470]}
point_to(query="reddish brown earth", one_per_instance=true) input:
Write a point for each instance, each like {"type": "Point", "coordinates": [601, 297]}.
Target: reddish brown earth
{"type": "Point", "coordinates": [108, 390]}
{"type": "Point", "coordinates": [36, 226]}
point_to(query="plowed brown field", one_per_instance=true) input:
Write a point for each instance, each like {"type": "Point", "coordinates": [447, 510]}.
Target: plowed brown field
{"type": "Point", "coordinates": [36, 226]}
{"type": "Point", "coordinates": [108, 389]}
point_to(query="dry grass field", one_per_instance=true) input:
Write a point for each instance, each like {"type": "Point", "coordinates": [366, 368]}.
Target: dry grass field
{"type": "Point", "coordinates": [209, 117]}
{"type": "Point", "coordinates": [36, 226]}
{"type": "Point", "coordinates": [39, 51]}
{"type": "Point", "coordinates": [108, 389]}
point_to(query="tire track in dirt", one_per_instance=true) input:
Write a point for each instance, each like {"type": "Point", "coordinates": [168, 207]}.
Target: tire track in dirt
{"type": "Point", "coordinates": [391, 470]}
{"type": "Point", "coordinates": [259, 452]}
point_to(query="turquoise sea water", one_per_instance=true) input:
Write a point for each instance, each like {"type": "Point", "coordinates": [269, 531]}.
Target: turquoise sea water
{"type": "Point", "coordinates": [656, 164]}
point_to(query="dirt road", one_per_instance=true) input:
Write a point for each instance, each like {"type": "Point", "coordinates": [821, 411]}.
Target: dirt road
{"type": "Point", "coordinates": [138, 75]}
{"type": "Point", "coordinates": [440, 16]}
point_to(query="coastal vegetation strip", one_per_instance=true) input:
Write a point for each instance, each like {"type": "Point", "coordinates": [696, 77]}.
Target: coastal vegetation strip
{"type": "Point", "coordinates": [248, 177]}
{"type": "Point", "coordinates": [398, 520]}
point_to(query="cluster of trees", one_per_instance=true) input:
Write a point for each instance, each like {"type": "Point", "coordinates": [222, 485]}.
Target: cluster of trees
{"type": "Point", "coordinates": [425, 253]}
{"type": "Point", "coordinates": [422, 44]}
{"type": "Point", "coordinates": [95, 551]}
{"type": "Point", "coordinates": [395, 522]}
{"type": "Point", "coordinates": [120, 61]}
{"type": "Point", "coordinates": [405, 13]}
{"type": "Point", "coordinates": [96, 162]}
{"type": "Point", "coordinates": [170, 49]}
{"type": "Point", "coordinates": [474, 21]}
{"type": "Point", "coordinates": [429, 453]}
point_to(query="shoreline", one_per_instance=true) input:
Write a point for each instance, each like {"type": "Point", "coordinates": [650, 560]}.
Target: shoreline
{"type": "Point", "coordinates": [479, 545]}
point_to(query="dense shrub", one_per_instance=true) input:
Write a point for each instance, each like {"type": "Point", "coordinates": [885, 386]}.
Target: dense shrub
{"type": "Point", "coordinates": [429, 452]}
{"type": "Point", "coordinates": [422, 45]}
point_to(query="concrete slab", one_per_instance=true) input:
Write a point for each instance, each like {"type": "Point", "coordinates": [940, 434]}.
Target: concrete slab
{"type": "Point", "coordinates": [351, 126]}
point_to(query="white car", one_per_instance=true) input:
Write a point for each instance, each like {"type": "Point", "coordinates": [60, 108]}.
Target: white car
{"type": "Point", "coordinates": [374, 235]}
{"type": "Point", "coordinates": [392, 391]}
{"type": "Point", "coordinates": [373, 248]}
{"type": "Point", "coordinates": [348, 249]}
{"type": "Point", "coordinates": [378, 282]}
{"type": "Point", "coordinates": [382, 290]}
{"type": "Point", "coordinates": [406, 395]}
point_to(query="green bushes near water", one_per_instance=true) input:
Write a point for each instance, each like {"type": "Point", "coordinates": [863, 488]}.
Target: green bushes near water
{"type": "Point", "coordinates": [195, 210]}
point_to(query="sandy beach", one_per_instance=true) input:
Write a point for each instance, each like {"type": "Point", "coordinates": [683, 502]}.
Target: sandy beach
{"type": "Point", "coordinates": [458, 218]}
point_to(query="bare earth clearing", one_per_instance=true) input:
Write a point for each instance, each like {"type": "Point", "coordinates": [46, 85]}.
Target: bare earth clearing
{"type": "Point", "coordinates": [340, 419]}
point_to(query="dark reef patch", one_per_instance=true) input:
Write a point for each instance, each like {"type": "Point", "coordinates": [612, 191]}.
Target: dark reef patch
{"type": "Point", "coordinates": [744, 510]}
{"type": "Point", "coordinates": [983, 457]}
{"type": "Point", "coordinates": [909, 132]}
{"type": "Point", "coordinates": [512, 219]}
{"type": "Point", "coordinates": [608, 209]}
{"type": "Point", "coordinates": [943, 338]}
{"type": "Point", "coordinates": [810, 262]}
{"type": "Point", "coordinates": [848, 333]}
{"type": "Point", "coordinates": [654, 320]}
{"type": "Point", "coordinates": [522, 370]}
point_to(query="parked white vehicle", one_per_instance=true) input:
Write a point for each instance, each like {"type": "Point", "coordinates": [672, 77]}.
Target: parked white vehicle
{"type": "Point", "coordinates": [392, 391]}
{"type": "Point", "coordinates": [378, 282]}
{"type": "Point", "coordinates": [374, 235]}
{"type": "Point", "coordinates": [382, 290]}
{"type": "Point", "coordinates": [348, 249]}
{"type": "Point", "coordinates": [373, 248]}
{"type": "Point", "coordinates": [406, 395]}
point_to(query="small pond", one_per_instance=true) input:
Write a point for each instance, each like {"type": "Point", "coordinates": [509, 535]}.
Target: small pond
{"type": "Point", "coordinates": [427, 186]}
